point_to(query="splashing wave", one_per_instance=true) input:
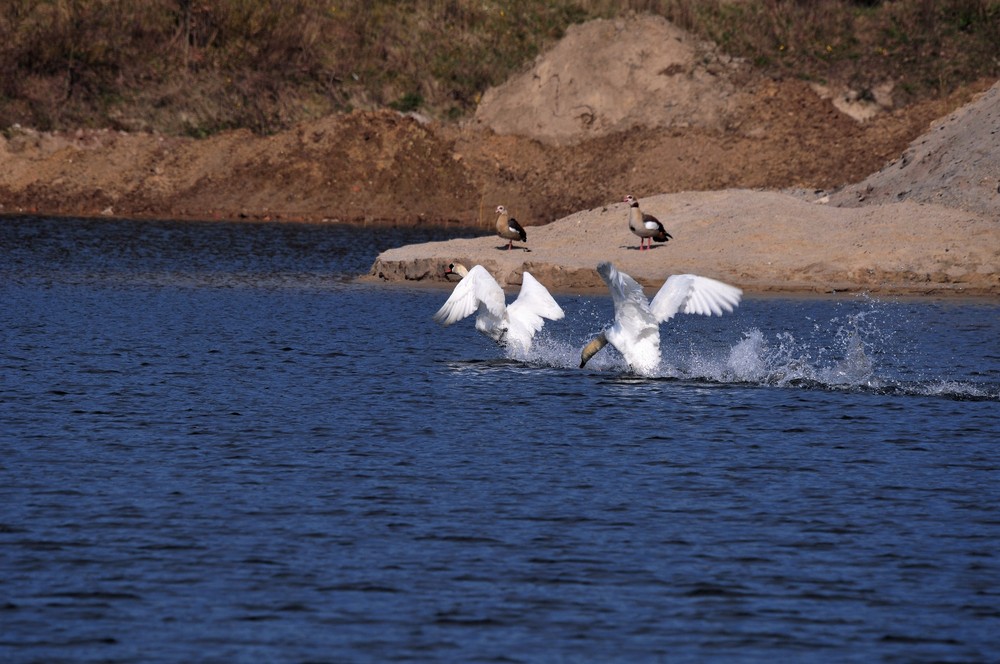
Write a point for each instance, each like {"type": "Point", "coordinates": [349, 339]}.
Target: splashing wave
{"type": "Point", "coordinates": [858, 352]}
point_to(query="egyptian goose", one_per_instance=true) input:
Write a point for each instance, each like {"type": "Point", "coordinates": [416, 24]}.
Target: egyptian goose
{"type": "Point", "coordinates": [508, 228]}
{"type": "Point", "coordinates": [646, 226]}
{"type": "Point", "coordinates": [636, 330]}
{"type": "Point", "coordinates": [512, 326]}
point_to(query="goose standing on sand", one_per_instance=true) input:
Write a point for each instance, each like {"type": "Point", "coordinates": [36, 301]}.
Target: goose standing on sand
{"type": "Point", "coordinates": [636, 330]}
{"type": "Point", "coordinates": [646, 226]}
{"type": "Point", "coordinates": [512, 326]}
{"type": "Point", "coordinates": [508, 228]}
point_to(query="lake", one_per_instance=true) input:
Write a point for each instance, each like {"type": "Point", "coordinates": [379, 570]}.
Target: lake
{"type": "Point", "coordinates": [217, 446]}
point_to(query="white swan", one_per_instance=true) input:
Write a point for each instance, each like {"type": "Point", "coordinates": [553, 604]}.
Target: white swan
{"type": "Point", "coordinates": [636, 330]}
{"type": "Point", "coordinates": [512, 326]}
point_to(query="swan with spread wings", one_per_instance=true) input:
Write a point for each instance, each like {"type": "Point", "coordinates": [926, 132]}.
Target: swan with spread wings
{"type": "Point", "coordinates": [513, 326]}
{"type": "Point", "coordinates": [636, 329]}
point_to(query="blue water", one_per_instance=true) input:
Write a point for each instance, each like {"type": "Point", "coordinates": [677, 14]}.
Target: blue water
{"type": "Point", "coordinates": [216, 446]}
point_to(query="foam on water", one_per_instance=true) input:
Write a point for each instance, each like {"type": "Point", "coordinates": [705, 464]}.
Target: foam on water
{"type": "Point", "coordinates": [843, 353]}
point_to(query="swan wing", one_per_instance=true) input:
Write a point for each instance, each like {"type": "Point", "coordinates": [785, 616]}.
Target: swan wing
{"type": "Point", "coordinates": [477, 291]}
{"type": "Point", "coordinates": [526, 315]}
{"type": "Point", "coordinates": [691, 294]}
{"type": "Point", "coordinates": [635, 333]}
{"type": "Point", "coordinates": [631, 307]}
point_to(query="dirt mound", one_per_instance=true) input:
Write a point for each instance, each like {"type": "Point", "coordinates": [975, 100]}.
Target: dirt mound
{"type": "Point", "coordinates": [366, 166]}
{"type": "Point", "coordinates": [609, 76]}
{"type": "Point", "coordinates": [955, 163]}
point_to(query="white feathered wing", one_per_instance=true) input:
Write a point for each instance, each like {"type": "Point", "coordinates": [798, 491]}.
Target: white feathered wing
{"type": "Point", "coordinates": [526, 315]}
{"type": "Point", "coordinates": [635, 332]}
{"type": "Point", "coordinates": [516, 325]}
{"type": "Point", "coordinates": [691, 294]}
{"type": "Point", "coordinates": [478, 292]}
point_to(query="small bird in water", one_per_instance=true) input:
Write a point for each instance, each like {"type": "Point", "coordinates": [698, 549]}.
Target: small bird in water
{"type": "Point", "coordinates": [508, 228]}
{"type": "Point", "coordinates": [645, 225]}
{"type": "Point", "coordinates": [511, 326]}
{"type": "Point", "coordinates": [636, 330]}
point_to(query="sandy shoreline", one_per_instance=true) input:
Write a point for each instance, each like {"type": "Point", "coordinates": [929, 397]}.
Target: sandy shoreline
{"type": "Point", "coordinates": [760, 241]}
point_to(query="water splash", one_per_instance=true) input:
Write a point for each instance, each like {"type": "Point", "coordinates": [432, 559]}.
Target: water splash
{"type": "Point", "coordinates": [843, 360]}
{"type": "Point", "coordinates": [788, 362]}
{"type": "Point", "coordinates": [860, 350]}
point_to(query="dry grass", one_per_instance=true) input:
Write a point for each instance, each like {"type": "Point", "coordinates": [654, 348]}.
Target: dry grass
{"type": "Point", "coordinates": [179, 66]}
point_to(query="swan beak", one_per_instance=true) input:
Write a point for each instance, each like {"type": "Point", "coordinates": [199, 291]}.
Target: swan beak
{"type": "Point", "coordinates": [591, 349]}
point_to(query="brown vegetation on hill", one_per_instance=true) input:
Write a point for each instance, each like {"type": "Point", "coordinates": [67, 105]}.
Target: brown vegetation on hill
{"type": "Point", "coordinates": [180, 67]}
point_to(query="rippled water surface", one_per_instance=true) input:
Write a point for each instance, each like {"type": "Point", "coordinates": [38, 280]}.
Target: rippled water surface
{"type": "Point", "coordinates": [216, 446]}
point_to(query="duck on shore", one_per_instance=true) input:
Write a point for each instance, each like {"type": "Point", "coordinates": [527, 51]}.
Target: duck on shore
{"type": "Point", "coordinates": [508, 228]}
{"type": "Point", "coordinates": [646, 226]}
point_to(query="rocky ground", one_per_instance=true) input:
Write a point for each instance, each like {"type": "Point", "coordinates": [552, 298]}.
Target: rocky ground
{"type": "Point", "coordinates": [626, 106]}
